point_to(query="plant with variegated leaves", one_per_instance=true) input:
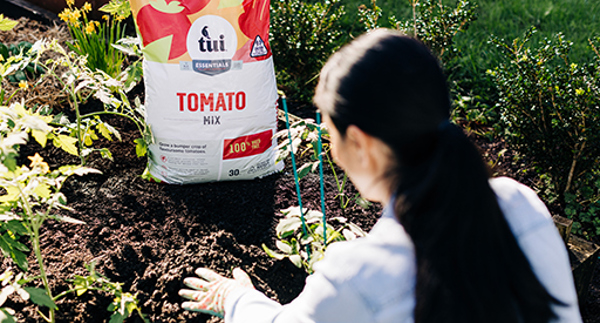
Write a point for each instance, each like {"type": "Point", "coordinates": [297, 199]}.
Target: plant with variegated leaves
{"type": "Point", "coordinates": [32, 197]}
{"type": "Point", "coordinates": [31, 193]}
{"type": "Point", "coordinates": [305, 140]}
{"type": "Point", "coordinates": [81, 83]}
{"type": "Point", "coordinates": [124, 304]}
{"type": "Point", "coordinates": [305, 246]}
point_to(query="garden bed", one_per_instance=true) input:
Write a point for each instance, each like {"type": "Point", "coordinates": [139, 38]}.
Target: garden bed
{"type": "Point", "coordinates": [150, 236]}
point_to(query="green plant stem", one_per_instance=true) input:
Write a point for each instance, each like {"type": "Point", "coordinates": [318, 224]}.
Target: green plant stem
{"type": "Point", "coordinates": [34, 226]}
{"type": "Point", "coordinates": [63, 294]}
{"type": "Point", "coordinates": [340, 187]}
{"type": "Point", "coordinates": [38, 255]}
{"type": "Point", "coordinates": [78, 129]}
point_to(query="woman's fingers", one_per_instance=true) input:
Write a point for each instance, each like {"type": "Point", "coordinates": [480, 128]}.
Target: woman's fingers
{"type": "Point", "coordinates": [196, 283]}
{"type": "Point", "coordinates": [208, 274]}
{"type": "Point", "coordinates": [241, 277]}
{"type": "Point", "coordinates": [193, 295]}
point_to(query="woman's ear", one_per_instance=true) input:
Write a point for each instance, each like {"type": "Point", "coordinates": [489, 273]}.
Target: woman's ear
{"type": "Point", "coordinates": [372, 154]}
{"type": "Point", "coordinates": [361, 143]}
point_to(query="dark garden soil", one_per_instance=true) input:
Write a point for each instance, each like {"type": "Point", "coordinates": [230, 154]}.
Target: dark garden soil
{"type": "Point", "coordinates": [149, 236]}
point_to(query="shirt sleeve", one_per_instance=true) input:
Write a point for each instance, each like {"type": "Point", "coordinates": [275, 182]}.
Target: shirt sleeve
{"type": "Point", "coordinates": [532, 225]}
{"type": "Point", "coordinates": [320, 301]}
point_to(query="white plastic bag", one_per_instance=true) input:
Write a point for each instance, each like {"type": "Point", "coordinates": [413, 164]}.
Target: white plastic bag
{"type": "Point", "coordinates": [211, 95]}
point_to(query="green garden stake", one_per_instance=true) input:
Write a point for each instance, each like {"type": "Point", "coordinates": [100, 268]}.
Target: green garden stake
{"type": "Point", "coordinates": [287, 124]}
{"type": "Point", "coordinates": [319, 147]}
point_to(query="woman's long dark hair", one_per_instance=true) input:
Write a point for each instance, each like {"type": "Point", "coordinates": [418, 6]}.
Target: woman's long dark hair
{"type": "Point", "coordinates": [469, 265]}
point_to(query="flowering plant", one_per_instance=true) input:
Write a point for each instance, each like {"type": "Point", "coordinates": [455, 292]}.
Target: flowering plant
{"type": "Point", "coordinates": [95, 39]}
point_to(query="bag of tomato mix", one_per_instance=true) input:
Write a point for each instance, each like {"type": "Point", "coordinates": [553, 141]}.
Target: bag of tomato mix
{"type": "Point", "coordinates": [211, 95]}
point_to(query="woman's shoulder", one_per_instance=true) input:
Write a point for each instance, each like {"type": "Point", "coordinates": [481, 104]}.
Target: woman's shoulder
{"type": "Point", "coordinates": [532, 225]}
{"type": "Point", "coordinates": [522, 208]}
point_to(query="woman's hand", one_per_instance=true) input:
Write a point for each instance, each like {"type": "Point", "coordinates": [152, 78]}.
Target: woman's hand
{"type": "Point", "coordinates": [211, 289]}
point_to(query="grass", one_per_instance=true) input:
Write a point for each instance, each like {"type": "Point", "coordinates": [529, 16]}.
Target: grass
{"type": "Point", "coordinates": [578, 20]}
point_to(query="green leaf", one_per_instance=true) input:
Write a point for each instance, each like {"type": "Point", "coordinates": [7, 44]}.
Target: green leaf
{"type": "Point", "coordinates": [81, 285]}
{"type": "Point", "coordinates": [106, 154]}
{"type": "Point", "coordinates": [68, 219]}
{"type": "Point", "coordinates": [17, 245]}
{"type": "Point", "coordinates": [16, 226]}
{"type": "Point", "coordinates": [281, 245]}
{"type": "Point", "coordinates": [5, 316]}
{"type": "Point", "coordinates": [6, 23]}
{"type": "Point", "coordinates": [296, 260]}
{"type": "Point", "coordinates": [141, 148]}
{"type": "Point", "coordinates": [20, 259]}
{"type": "Point", "coordinates": [42, 190]}
{"type": "Point", "coordinates": [39, 136]}
{"type": "Point", "coordinates": [304, 170]}
{"type": "Point", "coordinates": [6, 244]}
{"type": "Point", "coordinates": [67, 143]}
{"type": "Point", "coordinates": [12, 194]}
{"type": "Point", "coordinates": [272, 253]}
{"type": "Point", "coordinates": [5, 54]}
{"type": "Point", "coordinates": [40, 297]}
{"type": "Point", "coordinates": [117, 317]}
{"type": "Point", "coordinates": [117, 7]}
{"type": "Point", "coordinates": [104, 130]}
{"type": "Point", "coordinates": [287, 226]}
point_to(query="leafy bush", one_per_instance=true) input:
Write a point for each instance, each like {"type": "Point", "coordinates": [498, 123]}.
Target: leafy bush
{"type": "Point", "coordinates": [434, 23]}
{"type": "Point", "coordinates": [303, 35]}
{"type": "Point", "coordinates": [437, 25]}
{"type": "Point", "coordinates": [550, 113]}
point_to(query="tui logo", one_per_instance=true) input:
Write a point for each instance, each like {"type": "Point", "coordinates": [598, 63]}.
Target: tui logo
{"type": "Point", "coordinates": [207, 44]}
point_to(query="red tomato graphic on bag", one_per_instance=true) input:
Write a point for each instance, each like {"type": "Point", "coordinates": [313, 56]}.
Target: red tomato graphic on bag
{"type": "Point", "coordinates": [176, 24]}
{"type": "Point", "coordinates": [192, 6]}
{"type": "Point", "coordinates": [255, 19]}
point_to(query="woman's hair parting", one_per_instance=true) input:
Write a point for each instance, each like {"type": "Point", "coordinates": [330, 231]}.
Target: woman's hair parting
{"type": "Point", "coordinates": [469, 265]}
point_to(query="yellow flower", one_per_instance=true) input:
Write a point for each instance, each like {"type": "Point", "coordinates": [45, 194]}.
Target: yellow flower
{"type": "Point", "coordinates": [23, 85]}
{"type": "Point", "coordinates": [119, 18]}
{"type": "Point", "coordinates": [74, 16]}
{"type": "Point", "coordinates": [70, 2]}
{"type": "Point", "coordinates": [106, 17]}
{"type": "Point", "coordinates": [579, 91]}
{"type": "Point", "coordinates": [38, 161]}
{"type": "Point", "coordinates": [90, 27]}
{"type": "Point", "coordinates": [65, 15]}
{"type": "Point", "coordinates": [87, 7]}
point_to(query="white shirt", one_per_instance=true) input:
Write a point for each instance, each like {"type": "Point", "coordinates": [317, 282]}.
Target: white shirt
{"type": "Point", "coordinates": [372, 279]}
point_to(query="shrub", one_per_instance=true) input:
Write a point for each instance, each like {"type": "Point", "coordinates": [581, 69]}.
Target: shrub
{"type": "Point", "coordinates": [302, 37]}
{"type": "Point", "coordinates": [434, 23]}
{"type": "Point", "coordinates": [550, 114]}
{"type": "Point", "coordinates": [437, 25]}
